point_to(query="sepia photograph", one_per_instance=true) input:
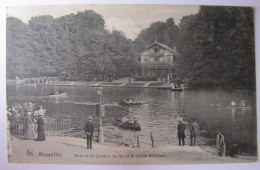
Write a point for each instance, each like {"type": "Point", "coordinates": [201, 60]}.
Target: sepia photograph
{"type": "Point", "coordinates": [131, 84]}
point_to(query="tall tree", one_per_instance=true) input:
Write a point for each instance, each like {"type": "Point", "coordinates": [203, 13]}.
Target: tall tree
{"type": "Point", "coordinates": [163, 32]}
{"type": "Point", "coordinates": [217, 45]}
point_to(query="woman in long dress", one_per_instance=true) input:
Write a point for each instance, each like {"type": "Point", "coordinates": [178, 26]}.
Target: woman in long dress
{"type": "Point", "coordinates": [40, 128]}
{"type": "Point", "coordinates": [28, 127]}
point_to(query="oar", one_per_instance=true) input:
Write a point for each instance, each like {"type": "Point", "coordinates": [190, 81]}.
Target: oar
{"type": "Point", "coordinates": [121, 124]}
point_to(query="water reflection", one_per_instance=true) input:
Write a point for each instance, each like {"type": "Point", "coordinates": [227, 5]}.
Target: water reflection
{"type": "Point", "coordinates": [233, 113]}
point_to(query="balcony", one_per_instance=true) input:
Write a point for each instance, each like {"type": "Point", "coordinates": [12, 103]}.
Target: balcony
{"type": "Point", "coordinates": [153, 64]}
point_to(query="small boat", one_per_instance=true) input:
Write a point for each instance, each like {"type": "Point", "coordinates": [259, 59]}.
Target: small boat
{"type": "Point", "coordinates": [129, 102]}
{"type": "Point", "coordinates": [75, 128]}
{"type": "Point", "coordinates": [239, 107]}
{"type": "Point", "coordinates": [176, 89]}
{"type": "Point", "coordinates": [59, 95]}
{"type": "Point", "coordinates": [184, 86]}
{"type": "Point", "coordinates": [21, 82]}
{"type": "Point", "coordinates": [95, 85]}
{"type": "Point", "coordinates": [127, 125]}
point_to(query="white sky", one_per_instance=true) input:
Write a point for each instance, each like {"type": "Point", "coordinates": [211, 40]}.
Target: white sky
{"type": "Point", "coordinates": [130, 19]}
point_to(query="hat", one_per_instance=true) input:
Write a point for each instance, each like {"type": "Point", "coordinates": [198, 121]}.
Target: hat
{"type": "Point", "coordinates": [90, 118]}
{"type": "Point", "coordinates": [40, 114]}
{"type": "Point", "coordinates": [180, 119]}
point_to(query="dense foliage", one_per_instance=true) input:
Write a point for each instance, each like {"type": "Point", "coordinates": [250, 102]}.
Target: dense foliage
{"type": "Point", "coordinates": [164, 32]}
{"type": "Point", "coordinates": [216, 47]}
{"type": "Point", "coordinates": [76, 46]}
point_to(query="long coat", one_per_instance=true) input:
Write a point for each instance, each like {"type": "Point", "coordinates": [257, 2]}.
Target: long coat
{"type": "Point", "coordinates": [28, 127]}
{"type": "Point", "coordinates": [181, 130]}
{"type": "Point", "coordinates": [195, 129]}
{"type": "Point", "coordinates": [89, 128]}
{"type": "Point", "coordinates": [40, 130]}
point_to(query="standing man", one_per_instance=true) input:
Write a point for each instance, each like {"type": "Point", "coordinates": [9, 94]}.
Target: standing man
{"type": "Point", "coordinates": [181, 132]}
{"type": "Point", "coordinates": [194, 129]}
{"type": "Point", "coordinates": [89, 129]}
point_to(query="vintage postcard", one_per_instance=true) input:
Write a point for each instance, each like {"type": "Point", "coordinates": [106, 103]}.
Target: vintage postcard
{"type": "Point", "coordinates": [131, 84]}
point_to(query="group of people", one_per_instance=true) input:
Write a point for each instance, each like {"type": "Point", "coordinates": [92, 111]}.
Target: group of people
{"type": "Point", "coordinates": [193, 128]}
{"type": "Point", "coordinates": [30, 117]}
{"type": "Point", "coordinates": [130, 101]}
{"type": "Point", "coordinates": [125, 119]}
{"type": "Point", "coordinates": [241, 104]}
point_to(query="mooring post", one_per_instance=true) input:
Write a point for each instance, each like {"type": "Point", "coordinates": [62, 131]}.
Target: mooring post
{"type": "Point", "coordinates": [152, 139]}
{"type": "Point", "coordinates": [137, 141]}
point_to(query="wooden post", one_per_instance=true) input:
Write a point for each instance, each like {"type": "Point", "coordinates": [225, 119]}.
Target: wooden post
{"type": "Point", "coordinates": [137, 142]}
{"type": "Point", "coordinates": [152, 140]}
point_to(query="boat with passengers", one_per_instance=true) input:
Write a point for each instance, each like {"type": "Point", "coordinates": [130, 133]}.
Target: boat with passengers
{"type": "Point", "coordinates": [130, 101]}
{"type": "Point", "coordinates": [127, 125]}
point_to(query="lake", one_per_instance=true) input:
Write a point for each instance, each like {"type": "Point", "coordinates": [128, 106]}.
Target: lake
{"type": "Point", "coordinates": [158, 114]}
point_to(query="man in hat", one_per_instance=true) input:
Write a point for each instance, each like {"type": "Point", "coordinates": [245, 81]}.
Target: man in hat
{"type": "Point", "coordinates": [181, 132]}
{"type": "Point", "coordinates": [89, 129]}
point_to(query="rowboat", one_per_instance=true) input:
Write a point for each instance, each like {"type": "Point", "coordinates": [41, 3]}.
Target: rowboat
{"type": "Point", "coordinates": [127, 125]}
{"type": "Point", "coordinates": [176, 89]}
{"type": "Point", "coordinates": [59, 95]}
{"type": "Point", "coordinates": [123, 103]}
{"type": "Point", "coordinates": [129, 102]}
{"type": "Point", "coordinates": [239, 107]}
{"type": "Point", "coordinates": [231, 107]}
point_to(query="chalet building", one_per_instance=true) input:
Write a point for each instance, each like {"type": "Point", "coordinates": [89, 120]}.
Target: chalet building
{"type": "Point", "coordinates": [158, 61]}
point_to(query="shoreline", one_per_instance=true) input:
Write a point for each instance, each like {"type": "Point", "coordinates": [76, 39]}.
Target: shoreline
{"type": "Point", "coordinates": [122, 84]}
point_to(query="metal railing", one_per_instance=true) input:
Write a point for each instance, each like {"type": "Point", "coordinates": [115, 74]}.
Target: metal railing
{"type": "Point", "coordinates": [53, 127]}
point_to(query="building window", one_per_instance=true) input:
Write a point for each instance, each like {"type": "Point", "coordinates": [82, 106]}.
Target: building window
{"type": "Point", "coordinates": [174, 58]}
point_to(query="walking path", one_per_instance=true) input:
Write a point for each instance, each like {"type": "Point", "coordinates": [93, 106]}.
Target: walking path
{"type": "Point", "coordinates": [69, 150]}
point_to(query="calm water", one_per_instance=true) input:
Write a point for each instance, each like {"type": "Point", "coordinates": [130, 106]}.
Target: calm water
{"type": "Point", "coordinates": [158, 115]}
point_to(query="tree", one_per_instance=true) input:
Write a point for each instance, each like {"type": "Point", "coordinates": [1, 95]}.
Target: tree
{"type": "Point", "coordinates": [217, 45]}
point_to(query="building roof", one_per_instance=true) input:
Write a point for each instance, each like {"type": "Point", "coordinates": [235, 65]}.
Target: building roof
{"type": "Point", "coordinates": [163, 46]}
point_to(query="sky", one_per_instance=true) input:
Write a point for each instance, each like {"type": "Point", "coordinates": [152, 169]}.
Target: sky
{"type": "Point", "coordinates": [130, 19]}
